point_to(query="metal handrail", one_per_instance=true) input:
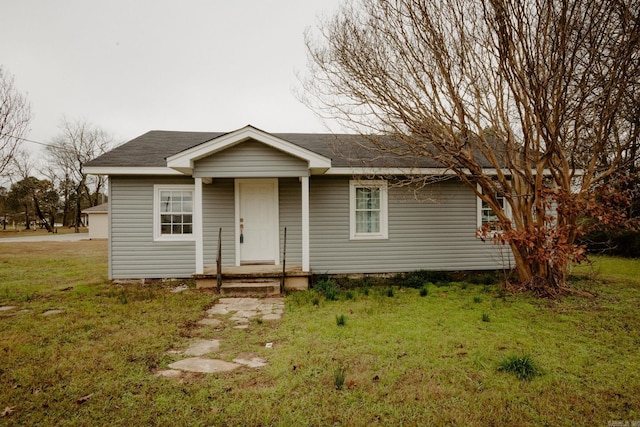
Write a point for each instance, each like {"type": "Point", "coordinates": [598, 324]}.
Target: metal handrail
{"type": "Point", "coordinates": [219, 260]}
{"type": "Point", "coordinates": [284, 261]}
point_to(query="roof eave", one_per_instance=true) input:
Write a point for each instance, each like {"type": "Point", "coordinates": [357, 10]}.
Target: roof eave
{"type": "Point", "coordinates": [130, 170]}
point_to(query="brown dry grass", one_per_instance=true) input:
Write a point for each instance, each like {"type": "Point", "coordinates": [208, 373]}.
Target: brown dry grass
{"type": "Point", "coordinates": [20, 231]}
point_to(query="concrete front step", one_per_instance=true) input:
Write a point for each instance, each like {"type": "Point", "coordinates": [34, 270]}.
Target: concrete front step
{"type": "Point", "coordinates": [295, 278]}
{"type": "Point", "coordinates": [239, 288]}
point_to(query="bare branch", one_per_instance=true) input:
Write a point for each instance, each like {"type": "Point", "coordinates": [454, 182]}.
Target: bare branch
{"type": "Point", "coordinates": [544, 92]}
{"type": "Point", "coordinates": [15, 115]}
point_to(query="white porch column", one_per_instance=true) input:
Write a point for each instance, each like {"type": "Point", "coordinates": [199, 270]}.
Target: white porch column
{"type": "Point", "coordinates": [304, 181]}
{"type": "Point", "coordinates": [197, 226]}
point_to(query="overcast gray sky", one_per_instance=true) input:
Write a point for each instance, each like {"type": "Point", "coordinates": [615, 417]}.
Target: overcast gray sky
{"type": "Point", "coordinates": [130, 66]}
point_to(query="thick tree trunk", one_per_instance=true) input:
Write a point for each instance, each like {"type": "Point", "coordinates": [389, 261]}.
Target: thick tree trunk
{"type": "Point", "coordinates": [79, 206]}
{"type": "Point", "coordinates": [26, 217]}
{"type": "Point", "coordinates": [41, 215]}
{"type": "Point", "coordinates": [544, 278]}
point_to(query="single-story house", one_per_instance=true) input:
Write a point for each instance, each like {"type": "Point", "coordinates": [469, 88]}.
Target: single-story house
{"type": "Point", "coordinates": [98, 221]}
{"type": "Point", "coordinates": [171, 192]}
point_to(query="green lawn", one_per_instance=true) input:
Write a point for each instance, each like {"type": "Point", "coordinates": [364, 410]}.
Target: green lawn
{"type": "Point", "coordinates": [409, 360]}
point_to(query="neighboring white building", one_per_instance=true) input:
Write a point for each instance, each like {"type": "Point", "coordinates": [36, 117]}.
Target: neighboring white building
{"type": "Point", "coordinates": [98, 221]}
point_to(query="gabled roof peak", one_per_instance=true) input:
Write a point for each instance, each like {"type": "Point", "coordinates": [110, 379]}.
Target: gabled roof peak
{"type": "Point", "coordinates": [184, 160]}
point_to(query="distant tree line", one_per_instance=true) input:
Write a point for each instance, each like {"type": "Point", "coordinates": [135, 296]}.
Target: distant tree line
{"type": "Point", "coordinates": [56, 190]}
{"type": "Point", "coordinates": [62, 189]}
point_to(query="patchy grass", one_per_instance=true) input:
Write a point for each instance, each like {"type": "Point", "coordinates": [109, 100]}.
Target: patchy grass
{"type": "Point", "coordinates": [411, 360]}
{"type": "Point", "coordinates": [22, 232]}
{"type": "Point", "coordinates": [523, 367]}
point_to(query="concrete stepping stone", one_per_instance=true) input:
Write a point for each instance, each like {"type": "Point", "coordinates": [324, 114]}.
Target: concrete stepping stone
{"type": "Point", "coordinates": [268, 317]}
{"type": "Point", "coordinates": [204, 365]}
{"type": "Point", "coordinates": [180, 288]}
{"type": "Point", "coordinates": [200, 348]}
{"type": "Point", "coordinates": [7, 307]}
{"type": "Point", "coordinates": [209, 322]}
{"type": "Point", "coordinates": [52, 312]}
{"type": "Point", "coordinates": [245, 326]}
{"type": "Point", "coordinates": [218, 309]}
{"type": "Point", "coordinates": [245, 313]}
{"type": "Point", "coordinates": [253, 362]}
{"type": "Point", "coordinates": [169, 373]}
{"type": "Point", "coordinates": [240, 304]}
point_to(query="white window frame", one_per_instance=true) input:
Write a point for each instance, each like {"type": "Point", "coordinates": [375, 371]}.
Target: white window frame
{"type": "Point", "coordinates": [384, 209]}
{"type": "Point", "coordinates": [157, 231]}
{"type": "Point", "coordinates": [505, 206]}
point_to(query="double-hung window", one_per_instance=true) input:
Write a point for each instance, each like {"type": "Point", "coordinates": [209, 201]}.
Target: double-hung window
{"type": "Point", "coordinates": [173, 212]}
{"type": "Point", "coordinates": [486, 215]}
{"type": "Point", "coordinates": [368, 203]}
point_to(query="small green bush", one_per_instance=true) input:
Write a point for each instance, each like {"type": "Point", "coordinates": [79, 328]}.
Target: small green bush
{"type": "Point", "coordinates": [123, 297]}
{"type": "Point", "coordinates": [523, 367]}
{"type": "Point", "coordinates": [477, 300]}
{"type": "Point", "coordinates": [485, 317]}
{"type": "Point", "coordinates": [489, 278]}
{"type": "Point", "coordinates": [328, 288]}
{"type": "Point", "coordinates": [389, 292]}
{"type": "Point", "coordinates": [339, 377]}
{"type": "Point", "coordinates": [341, 320]}
{"type": "Point", "coordinates": [424, 291]}
{"type": "Point", "coordinates": [415, 279]}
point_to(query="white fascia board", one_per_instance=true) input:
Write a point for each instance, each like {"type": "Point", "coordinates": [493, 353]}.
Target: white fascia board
{"type": "Point", "coordinates": [388, 171]}
{"type": "Point", "coordinates": [417, 171]}
{"type": "Point", "coordinates": [130, 170]}
{"type": "Point", "coordinates": [185, 159]}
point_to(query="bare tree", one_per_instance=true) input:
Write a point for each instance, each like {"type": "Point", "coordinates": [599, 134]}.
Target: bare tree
{"type": "Point", "coordinates": [15, 115]}
{"type": "Point", "coordinates": [542, 92]}
{"type": "Point", "coordinates": [22, 164]}
{"type": "Point", "coordinates": [77, 143]}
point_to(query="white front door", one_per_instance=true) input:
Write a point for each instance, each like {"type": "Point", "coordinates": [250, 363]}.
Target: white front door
{"type": "Point", "coordinates": [257, 221]}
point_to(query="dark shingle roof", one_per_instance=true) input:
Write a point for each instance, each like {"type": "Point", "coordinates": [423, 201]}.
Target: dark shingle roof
{"type": "Point", "coordinates": [152, 149]}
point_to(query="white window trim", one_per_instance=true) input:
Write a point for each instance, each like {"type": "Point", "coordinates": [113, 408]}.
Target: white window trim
{"type": "Point", "coordinates": [506, 207]}
{"type": "Point", "coordinates": [157, 236]}
{"type": "Point", "coordinates": [384, 209]}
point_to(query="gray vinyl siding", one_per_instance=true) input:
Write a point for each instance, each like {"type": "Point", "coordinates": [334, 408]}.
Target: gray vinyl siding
{"type": "Point", "coordinates": [290, 194]}
{"type": "Point", "coordinates": [436, 232]}
{"type": "Point", "coordinates": [219, 211]}
{"type": "Point", "coordinates": [134, 254]}
{"type": "Point", "coordinates": [250, 159]}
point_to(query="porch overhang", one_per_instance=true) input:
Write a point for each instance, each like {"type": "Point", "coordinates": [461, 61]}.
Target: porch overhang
{"type": "Point", "coordinates": [183, 162]}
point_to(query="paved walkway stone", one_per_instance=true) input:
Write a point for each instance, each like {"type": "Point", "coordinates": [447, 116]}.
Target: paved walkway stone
{"type": "Point", "coordinates": [52, 312]}
{"type": "Point", "coordinates": [204, 365]}
{"type": "Point", "coordinates": [217, 309]}
{"type": "Point", "coordinates": [252, 362]}
{"type": "Point", "coordinates": [169, 373]}
{"type": "Point", "coordinates": [7, 307]}
{"type": "Point", "coordinates": [200, 348]}
{"type": "Point", "coordinates": [242, 310]}
{"type": "Point", "coordinates": [209, 322]}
